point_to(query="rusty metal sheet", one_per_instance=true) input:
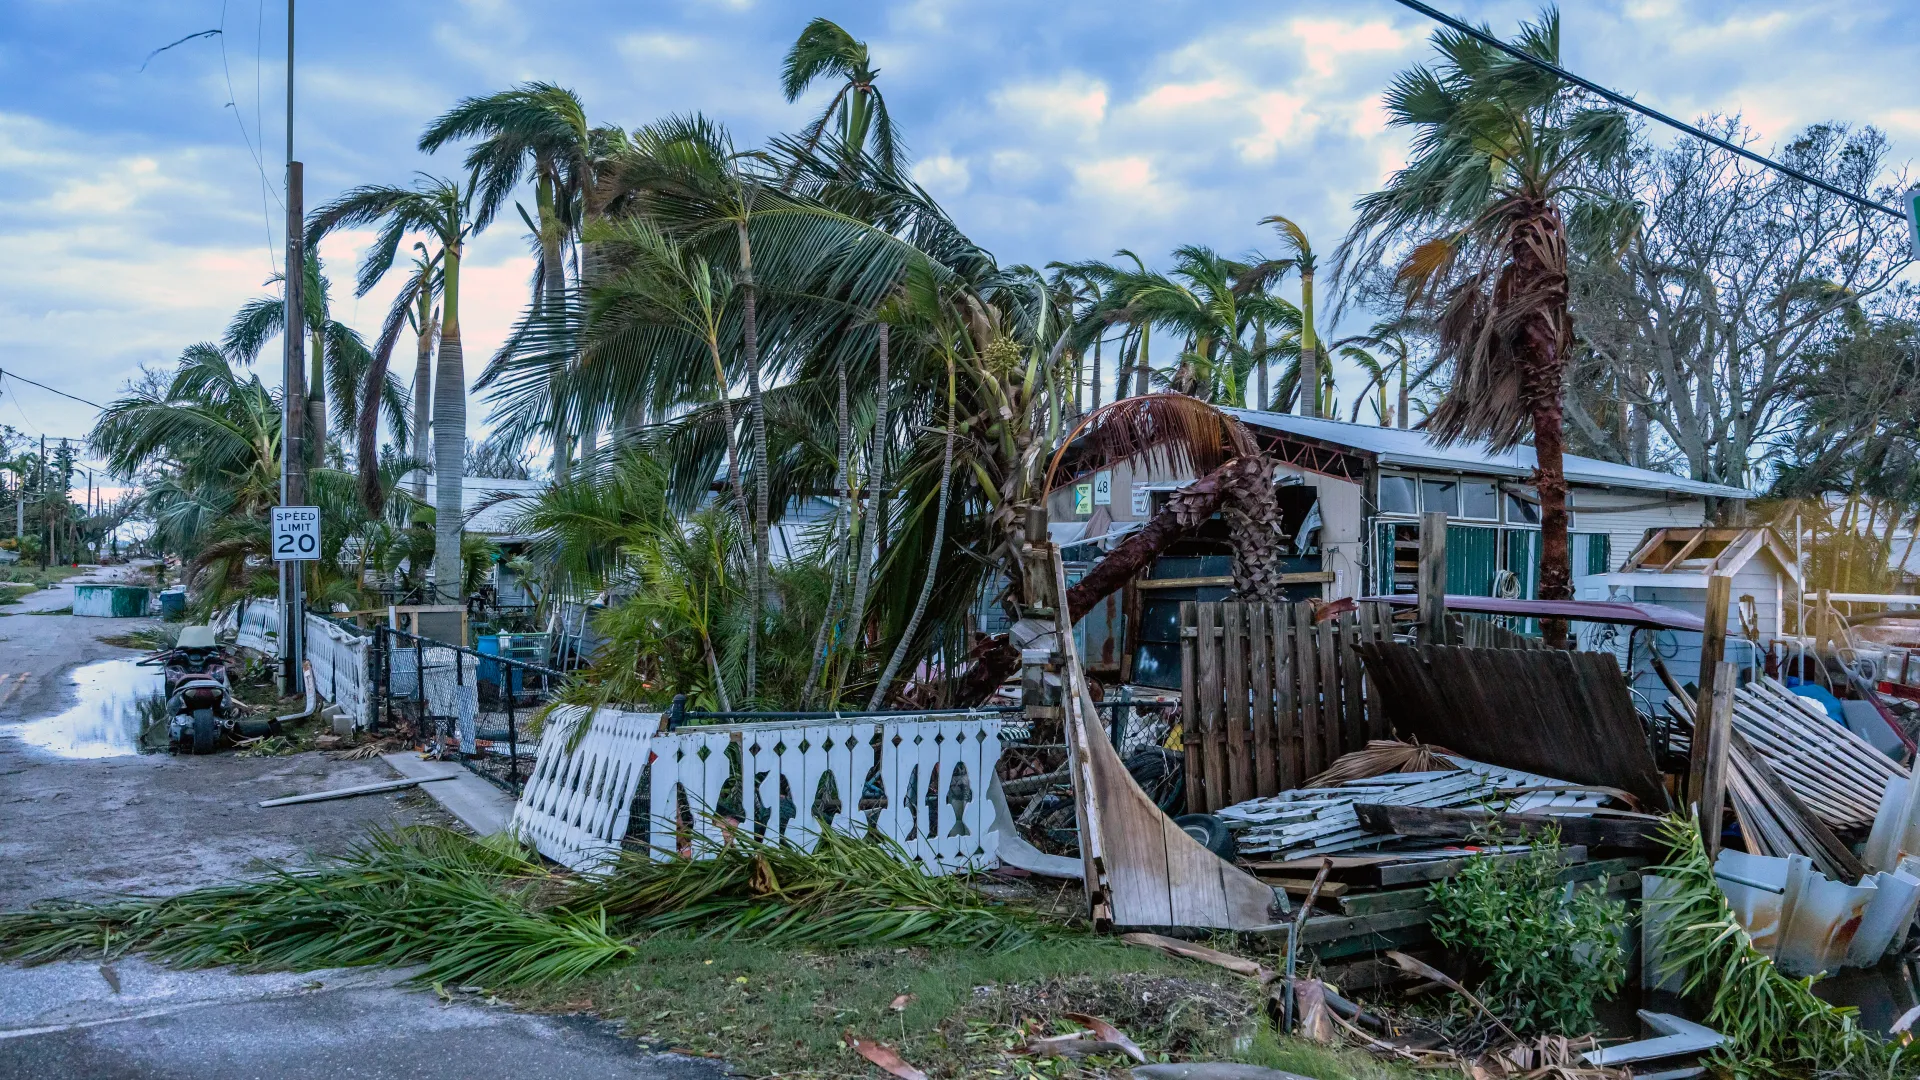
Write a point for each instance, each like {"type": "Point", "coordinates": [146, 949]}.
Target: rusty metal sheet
{"type": "Point", "coordinates": [1546, 711]}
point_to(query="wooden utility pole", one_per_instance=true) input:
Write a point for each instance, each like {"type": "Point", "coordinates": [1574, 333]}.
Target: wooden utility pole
{"type": "Point", "coordinates": [1713, 646]}
{"type": "Point", "coordinates": [1433, 579]}
{"type": "Point", "coordinates": [46, 553]}
{"type": "Point", "coordinates": [293, 443]}
{"type": "Point", "coordinates": [1710, 743]}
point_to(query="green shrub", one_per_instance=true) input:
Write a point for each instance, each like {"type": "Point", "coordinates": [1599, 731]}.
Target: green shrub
{"type": "Point", "coordinates": [1547, 951]}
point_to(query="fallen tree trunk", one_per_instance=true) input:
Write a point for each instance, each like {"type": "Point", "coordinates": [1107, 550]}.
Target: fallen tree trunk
{"type": "Point", "coordinates": [995, 659]}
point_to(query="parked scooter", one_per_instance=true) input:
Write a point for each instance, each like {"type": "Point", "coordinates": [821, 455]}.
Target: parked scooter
{"type": "Point", "coordinates": [200, 706]}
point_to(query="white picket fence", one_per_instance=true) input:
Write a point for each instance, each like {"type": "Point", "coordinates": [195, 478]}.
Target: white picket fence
{"type": "Point", "coordinates": [342, 671]}
{"type": "Point", "coordinates": [259, 627]}
{"type": "Point", "coordinates": [929, 778]}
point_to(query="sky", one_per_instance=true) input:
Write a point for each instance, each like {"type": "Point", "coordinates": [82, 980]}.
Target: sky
{"type": "Point", "coordinates": [140, 194]}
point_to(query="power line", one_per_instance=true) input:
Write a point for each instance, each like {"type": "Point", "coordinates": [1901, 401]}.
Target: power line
{"type": "Point", "coordinates": [16, 375]}
{"type": "Point", "coordinates": [1654, 114]}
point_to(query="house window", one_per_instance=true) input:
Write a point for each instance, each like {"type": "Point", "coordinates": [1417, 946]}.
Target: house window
{"type": "Point", "coordinates": [1397, 496]}
{"type": "Point", "coordinates": [1478, 499]}
{"type": "Point", "coordinates": [1440, 497]}
{"type": "Point", "coordinates": [1522, 512]}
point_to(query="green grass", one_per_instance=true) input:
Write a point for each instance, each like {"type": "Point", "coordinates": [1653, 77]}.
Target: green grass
{"type": "Point", "coordinates": [14, 592]}
{"type": "Point", "coordinates": [37, 577]}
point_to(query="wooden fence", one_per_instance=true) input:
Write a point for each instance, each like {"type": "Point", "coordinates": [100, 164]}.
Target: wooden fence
{"type": "Point", "coordinates": [1270, 697]}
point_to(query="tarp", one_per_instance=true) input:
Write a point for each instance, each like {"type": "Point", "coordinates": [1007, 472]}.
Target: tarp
{"type": "Point", "coordinates": [1644, 616]}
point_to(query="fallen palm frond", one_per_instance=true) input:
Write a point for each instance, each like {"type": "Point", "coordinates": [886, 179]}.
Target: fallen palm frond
{"type": "Point", "coordinates": [1774, 1024]}
{"type": "Point", "coordinates": [846, 891]}
{"type": "Point", "coordinates": [1382, 756]}
{"type": "Point", "coordinates": [427, 896]}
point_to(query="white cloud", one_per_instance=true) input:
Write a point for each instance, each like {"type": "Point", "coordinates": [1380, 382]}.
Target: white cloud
{"type": "Point", "coordinates": [943, 174]}
{"type": "Point", "coordinates": [1072, 103]}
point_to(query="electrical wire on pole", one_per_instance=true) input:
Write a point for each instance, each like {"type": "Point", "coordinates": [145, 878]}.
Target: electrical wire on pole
{"type": "Point", "coordinates": [1626, 102]}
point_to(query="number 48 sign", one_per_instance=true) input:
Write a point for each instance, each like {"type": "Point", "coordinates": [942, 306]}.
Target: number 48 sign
{"type": "Point", "coordinates": [296, 533]}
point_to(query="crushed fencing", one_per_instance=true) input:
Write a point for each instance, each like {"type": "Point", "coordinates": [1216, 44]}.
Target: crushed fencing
{"type": "Point", "coordinates": [577, 803]}
{"type": "Point", "coordinates": [461, 702]}
{"type": "Point", "coordinates": [448, 694]}
{"type": "Point", "coordinates": [259, 627]}
{"type": "Point", "coordinates": [339, 660]}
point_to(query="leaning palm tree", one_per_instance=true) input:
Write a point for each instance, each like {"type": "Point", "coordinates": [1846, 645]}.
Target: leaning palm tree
{"type": "Point", "coordinates": [1499, 154]}
{"type": "Point", "coordinates": [824, 50]}
{"type": "Point", "coordinates": [443, 209]}
{"type": "Point", "coordinates": [1302, 260]}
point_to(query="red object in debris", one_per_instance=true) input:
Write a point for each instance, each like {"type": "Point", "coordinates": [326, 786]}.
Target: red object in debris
{"type": "Point", "coordinates": [1644, 616]}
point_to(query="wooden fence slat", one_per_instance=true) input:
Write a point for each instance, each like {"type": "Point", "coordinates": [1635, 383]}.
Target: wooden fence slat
{"type": "Point", "coordinates": [1289, 751]}
{"type": "Point", "coordinates": [1314, 759]}
{"type": "Point", "coordinates": [1212, 744]}
{"type": "Point", "coordinates": [1260, 654]}
{"type": "Point", "coordinates": [1353, 721]}
{"type": "Point", "coordinates": [1190, 708]}
{"type": "Point", "coordinates": [1239, 737]}
{"type": "Point", "coordinates": [1326, 648]}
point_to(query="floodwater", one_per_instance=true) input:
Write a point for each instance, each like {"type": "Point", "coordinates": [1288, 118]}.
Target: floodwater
{"type": "Point", "coordinates": [120, 711]}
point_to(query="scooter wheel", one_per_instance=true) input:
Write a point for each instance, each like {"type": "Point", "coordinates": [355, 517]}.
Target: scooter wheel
{"type": "Point", "coordinates": [203, 731]}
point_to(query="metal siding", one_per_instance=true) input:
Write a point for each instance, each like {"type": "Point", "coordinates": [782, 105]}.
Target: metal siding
{"type": "Point", "coordinates": [1472, 559]}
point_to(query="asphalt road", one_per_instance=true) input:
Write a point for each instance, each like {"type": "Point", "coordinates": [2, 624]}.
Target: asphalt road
{"type": "Point", "coordinates": [86, 827]}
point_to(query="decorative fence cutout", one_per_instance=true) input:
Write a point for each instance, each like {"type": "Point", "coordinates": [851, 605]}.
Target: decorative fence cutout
{"type": "Point", "coordinates": [576, 806]}
{"type": "Point", "coordinates": [924, 782]}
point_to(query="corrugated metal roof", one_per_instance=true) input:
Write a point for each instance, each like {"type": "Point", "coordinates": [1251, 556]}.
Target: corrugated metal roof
{"type": "Point", "coordinates": [494, 519]}
{"type": "Point", "coordinates": [1413, 449]}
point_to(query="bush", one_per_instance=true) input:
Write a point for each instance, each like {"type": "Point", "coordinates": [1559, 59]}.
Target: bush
{"type": "Point", "coordinates": [1547, 951]}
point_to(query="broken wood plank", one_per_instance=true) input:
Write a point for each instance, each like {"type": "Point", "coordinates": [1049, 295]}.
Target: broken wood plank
{"type": "Point", "coordinates": [1639, 832]}
{"type": "Point", "coordinates": [349, 792]}
{"type": "Point", "coordinates": [1718, 726]}
{"type": "Point", "coordinates": [1442, 869]}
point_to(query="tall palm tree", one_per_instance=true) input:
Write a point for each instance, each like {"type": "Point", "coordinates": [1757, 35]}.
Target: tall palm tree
{"type": "Point", "coordinates": [536, 130]}
{"type": "Point", "coordinates": [1500, 148]}
{"type": "Point", "coordinates": [444, 210]}
{"type": "Point", "coordinates": [824, 50]}
{"type": "Point", "coordinates": [1302, 260]}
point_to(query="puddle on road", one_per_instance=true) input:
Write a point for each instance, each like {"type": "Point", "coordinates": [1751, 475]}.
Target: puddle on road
{"type": "Point", "coordinates": [118, 703]}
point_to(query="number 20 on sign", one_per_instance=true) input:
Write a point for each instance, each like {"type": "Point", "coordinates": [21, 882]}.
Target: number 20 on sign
{"type": "Point", "coordinates": [296, 533]}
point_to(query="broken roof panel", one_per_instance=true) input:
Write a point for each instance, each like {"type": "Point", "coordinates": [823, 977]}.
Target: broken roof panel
{"type": "Point", "coordinates": [1413, 449]}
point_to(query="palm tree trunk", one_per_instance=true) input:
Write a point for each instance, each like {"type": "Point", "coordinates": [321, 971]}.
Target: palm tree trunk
{"type": "Point", "coordinates": [317, 401]}
{"type": "Point", "coordinates": [449, 442]}
{"type": "Point", "coordinates": [553, 288]}
{"type": "Point", "coordinates": [842, 519]}
{"type": "Point", "coordinates": [876, 520]}
{"type": "Point", "coordinates": [1096, 374]}
{"type": "Point", "coordinates": [1141, 365]}
{"type": "Point", "coordinates": [933, 552]}
{"type": "Point", "coordinates": [1309, 351]}
{"type": "Point", "coordinates": [1536, 271]}
{"type": "Point", "coordinates": [1403, 391]}
{"type": "Point", "coordinates": [1261, 400]}
{"type": "Point", "coordinates": [750, 341]}
{"type": "Point", "coordinates": [422, 393]}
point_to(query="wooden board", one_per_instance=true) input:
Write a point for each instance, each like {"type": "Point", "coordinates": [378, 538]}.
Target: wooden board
{"type": "Point", "coordinates": [1142, 870]}
{"type": "Point", "coordinates": [1640, 832]}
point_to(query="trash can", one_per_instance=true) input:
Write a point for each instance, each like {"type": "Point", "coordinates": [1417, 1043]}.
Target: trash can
{"type": "Point", "coordinates": [173, 603]}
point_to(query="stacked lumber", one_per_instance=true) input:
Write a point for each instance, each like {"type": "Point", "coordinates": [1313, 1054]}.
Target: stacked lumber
{"type": "Point", "coordinates": [1837, 774]}
{"type": "Point", "coordinates": [1314, 821]}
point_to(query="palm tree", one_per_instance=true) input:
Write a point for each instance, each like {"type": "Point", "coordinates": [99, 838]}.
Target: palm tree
{"type": "Point", "coordinates": [339, 358]}
{"type": "Point", "coordinates": [1301, 259]}
{"type": "Point", "coordinates": [1499, 147]}
{"type": "Point", "coordinates": [444, 210]}
{"type": "Point", "coordinates": [824, 50]}
{"type": "Point", "coordinates": [537, 130]}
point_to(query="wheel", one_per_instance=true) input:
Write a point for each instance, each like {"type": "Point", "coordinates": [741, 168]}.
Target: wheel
{"type": "Point", "coordinates": [1211, 833]}
{"type": "Point", "coordinates": [203, 731]}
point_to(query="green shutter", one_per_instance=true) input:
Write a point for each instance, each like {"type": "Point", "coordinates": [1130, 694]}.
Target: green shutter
{"type": "Point", "coordinates": [1383, 559]}
{"type": "Point", "coordinates": [1472, 558]}
{"type": "Point", "coordinates": [1599, 552]}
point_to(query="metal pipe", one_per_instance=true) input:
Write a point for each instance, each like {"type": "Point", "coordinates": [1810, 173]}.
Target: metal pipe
{"type": "Point", "coordinates": [313, 699]}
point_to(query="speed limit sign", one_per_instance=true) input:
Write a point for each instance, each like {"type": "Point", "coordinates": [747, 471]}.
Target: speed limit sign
{"type": "Point", "coordinates": [296, 533]}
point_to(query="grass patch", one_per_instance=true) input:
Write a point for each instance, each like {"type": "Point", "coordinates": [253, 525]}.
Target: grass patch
{"type": "Point", "coordinates": [779, 1011]}
{"type": "Point", "coordinates": [36, 577]}
{"type": "Point", "coordinates": [13, 592]}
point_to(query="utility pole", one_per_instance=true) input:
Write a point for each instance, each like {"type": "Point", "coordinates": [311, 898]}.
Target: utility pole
{"type": "Point", "coordinates": [293, 444]}
{"type": "Point", "coordinates": [46, 553]}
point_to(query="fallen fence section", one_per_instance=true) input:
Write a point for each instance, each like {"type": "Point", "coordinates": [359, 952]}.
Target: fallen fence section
{"type": "Point", "coordinates": [1271, 697]}
{"type": "Point", "coordinates": [923, 782]}
{"type": "Point", "coordinates": [1548, 711]}
{"type": "Point", "coordinates": [259, 627]}
{"type": "Point", "coordinates": [577, 802]}
{"type": "Point", "coordinates": [340, 663]}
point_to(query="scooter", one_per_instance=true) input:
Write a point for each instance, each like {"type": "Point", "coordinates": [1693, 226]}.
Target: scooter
{"type": "Point", "coordinates": [200, 705]}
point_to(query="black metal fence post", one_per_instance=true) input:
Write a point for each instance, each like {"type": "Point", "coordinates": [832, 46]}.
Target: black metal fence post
{"type": "Point", "coordinates": [513, 732]}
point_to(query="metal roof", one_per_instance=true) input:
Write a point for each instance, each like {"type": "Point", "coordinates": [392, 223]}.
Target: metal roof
{"type": "Point", "coordinates": [1409, 448]}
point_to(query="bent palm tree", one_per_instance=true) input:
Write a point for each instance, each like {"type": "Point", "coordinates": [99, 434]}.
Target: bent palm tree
{"type": "Point", "coordinates": [824, 50]}
{"type": "Point", "coordinates": [1499, 146]}
{"type": "Point", "coordinates": [1302, 260]}
{"type": "Point", "coordinates": [442, 209]}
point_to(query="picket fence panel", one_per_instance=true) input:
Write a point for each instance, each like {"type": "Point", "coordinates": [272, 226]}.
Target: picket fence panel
{"type": "Point", "coordinates": [577, 804]}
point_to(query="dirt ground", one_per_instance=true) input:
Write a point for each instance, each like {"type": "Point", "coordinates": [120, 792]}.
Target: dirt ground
{"type": "Point", "coordinates": [148, 823]}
